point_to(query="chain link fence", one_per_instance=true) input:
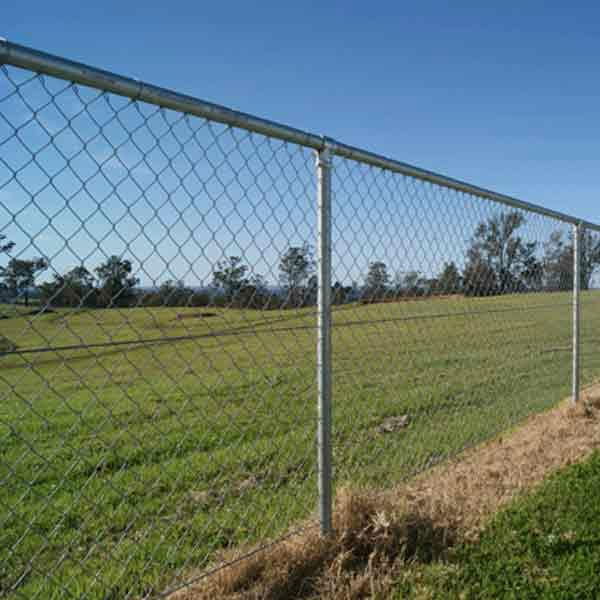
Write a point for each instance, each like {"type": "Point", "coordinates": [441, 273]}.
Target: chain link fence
{"type": "Point", "coordinates": [204, 332]}
{"type": "Point", "coordinates": [459, 330]}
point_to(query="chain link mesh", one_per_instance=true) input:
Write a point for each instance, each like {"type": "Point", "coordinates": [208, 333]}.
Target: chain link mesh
{"type": "Point", "coordinates": [149, 418]}
{"type": "Point", "coordinates": [158, 335]}
{"type": "Point", "coordinates": [459, 326]}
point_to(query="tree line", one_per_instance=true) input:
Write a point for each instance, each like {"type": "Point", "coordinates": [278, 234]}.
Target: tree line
{"type": "Point", "coordinates": [113, 284]}
{"type": "Point", "coordinates": [498, 261]}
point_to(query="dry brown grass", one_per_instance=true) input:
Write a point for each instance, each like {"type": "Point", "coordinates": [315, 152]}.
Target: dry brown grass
{"type": "Point", "coordinates": [377, 532]}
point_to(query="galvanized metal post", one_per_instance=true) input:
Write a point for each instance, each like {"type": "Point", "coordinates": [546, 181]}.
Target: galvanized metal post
{"type": "Point", "coordinates": [324, 337]}
{"type": "Point", "coordinates": [576, 311]}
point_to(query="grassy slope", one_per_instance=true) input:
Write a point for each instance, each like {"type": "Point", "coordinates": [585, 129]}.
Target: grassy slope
{"type": "Point", "coordinates": [544, 546]}
{"type": "Point", "coordinates": [122, 467]}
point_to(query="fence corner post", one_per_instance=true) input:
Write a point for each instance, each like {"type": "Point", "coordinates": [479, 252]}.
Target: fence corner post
{"type": "Point", "coordinates": [324, 361]}
{"type": "Point", "coordinates": [576, 311]}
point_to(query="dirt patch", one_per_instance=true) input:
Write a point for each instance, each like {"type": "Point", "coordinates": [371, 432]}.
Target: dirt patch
{"type": "Point", "coordinates": [205, 498]}
{"type": "Point", "coordinates": [377, 532]}
{"type": "Point", "coordinates": [393, 424]}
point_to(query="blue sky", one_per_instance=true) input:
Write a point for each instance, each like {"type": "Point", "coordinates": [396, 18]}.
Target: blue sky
{"type": "Point", "coordinates": [504, 96]}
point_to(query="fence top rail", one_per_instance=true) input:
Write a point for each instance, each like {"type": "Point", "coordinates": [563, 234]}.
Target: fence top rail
{"type": "Point", "coordinates": [48, 64]}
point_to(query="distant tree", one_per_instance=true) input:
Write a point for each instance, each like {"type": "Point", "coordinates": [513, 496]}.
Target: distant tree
{"type": "Point", "coordinates": [174, 293]}
{"type": "Point", "coordinates": [558, 260]}
{"type": "Point", "coordinates": [312, 291]}
{"type": "Point", "coordinates": [376, 281]}
{"type": "Point", "coordinates": [430, 285]}
{"type": "Point", "coordinates": [116, 282]}
{"type": "Point", "coordinates": [255, 294]}
{"type": "Point", "coordinates": [5, 246]}
{"type": "Point", "coordinates": [408, 283]}
{"type": "Point", "coordinates": [590, 257]}
{"type": "Point", "coordinates": [497, 247]}
{"type": "Point", "coordinates": [19, 276]}
{"type": "Point", "coordinates": [74, 288]}
{"type": "Point", "coordinates": [479, 279]}
{"type": "Point", "coordinates": [295, 268]}
{"type": "Point", "coordinates": [167, 294]}
{"type": "Point", "coordinates": [450, 280]}
{"type": "Point", "coordinates": [411, 279]}
{"type": "Point", "coordinates": [50, 292]}
{"type": "Point", "coordinates": [80, 276]}
{"type": "Point", "coordinates": [341, 294]}
{"type": "Point", "coordinates": [532, 273]}
{"type": "Point", "coordinates": [338, 295]}
{"type": "Point", "coordinates": [230, 277]}
{"type": "Point", "coordinates": [558, 263]}
{"type": "Point", "coordinates": [412, 284]}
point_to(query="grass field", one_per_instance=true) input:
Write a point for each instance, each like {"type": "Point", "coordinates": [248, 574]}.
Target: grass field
{"type": "Point", "coordinates": [543, 546]}
{"type": "Point", "coordinates": [125, 468]}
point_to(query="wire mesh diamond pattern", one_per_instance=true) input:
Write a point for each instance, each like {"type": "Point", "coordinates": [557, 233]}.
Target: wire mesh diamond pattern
{"type": "Point", "coordinates": [157, 376]}
{"type": "Point", "coordinates": [160, 304]}
{"type": "Point", "coordinates": [447, 339]}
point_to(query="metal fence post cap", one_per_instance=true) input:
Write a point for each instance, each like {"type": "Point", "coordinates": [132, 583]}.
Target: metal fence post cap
{"type": "Point", "coordinates": [330, 145]}
{"type": "Point", "coordinates": [324, 156]}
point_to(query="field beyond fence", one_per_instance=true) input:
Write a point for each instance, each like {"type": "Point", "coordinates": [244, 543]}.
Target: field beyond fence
{"type": "Point", "coordinates": [204, 334]}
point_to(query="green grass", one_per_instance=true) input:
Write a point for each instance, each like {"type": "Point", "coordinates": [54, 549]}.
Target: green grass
{"type": "Point", "coordinates": [544, 546]}
{"type": "Point", "coordinates": [123, 468]}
